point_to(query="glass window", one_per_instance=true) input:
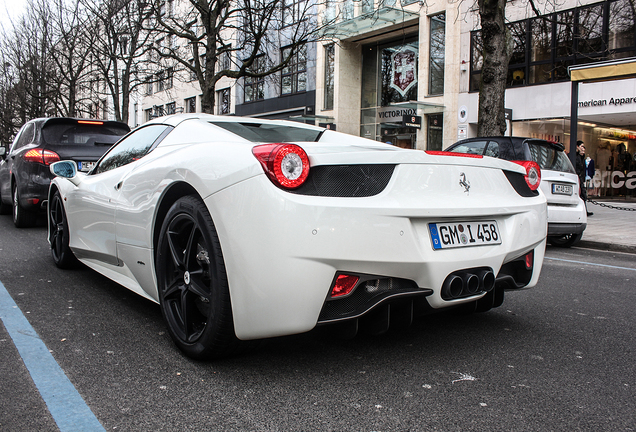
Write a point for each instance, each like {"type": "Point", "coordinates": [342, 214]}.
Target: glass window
{"type": "Point", "coordinates": [191, 104]}
{"type": "Point", "coordinates": [223, 101]}
{"type": "Point", "coordinates": [492, 150]}
{"type": "Point", "coordinates": [436, 64]}
{"type": "Point", "coordinates": [590, 35]}
{"type": "Point", "coordinates": [294, 75]}
{"type": "Point", "coordinates": [82, 134]}
{"type": "Point", "coordinates": [435, 131]}
{"type": "Point", "coordinates": [330, 54]}
{"type": "Point", "coordinates": [259, 132]}
{"type": "Point", "coordinates": [254, 87]}
{"type": "Point", "coordinates": [549, 157]}
{"type": "Point", "coordinates": [622, 18]}
{"type": "Point", "coordinates": [293, 11]}
{"type": "Point", "coordinates": [132, 148]}
{"type": "Point", "coordinates": [26, 137]}
{"type": "Point", "coordinates": [399, 73]}
{"type": "Point", "coordinates": [541, 42]}
{"type": "Point", "coordinates": [476, 59]}
{"type": "Point", "coordinates": [171, 108]}
{"type": "Point", "coordinates": [471, 147]}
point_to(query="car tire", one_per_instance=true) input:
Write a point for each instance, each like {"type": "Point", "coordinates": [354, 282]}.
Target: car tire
{"type": "Point", "coordinates": [21, 218]}
{"type": "Point", "coordinates": [59, 234]}
{"type": "Point", "coordinates": [4, 208]}
{"type": "Point", "coordinates": [193, 288]}
{"type": "Point", "coordinates": [565, 240]}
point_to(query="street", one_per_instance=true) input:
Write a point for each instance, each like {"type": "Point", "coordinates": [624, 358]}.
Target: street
{"type": "Point", "coordinates": [557, 357]}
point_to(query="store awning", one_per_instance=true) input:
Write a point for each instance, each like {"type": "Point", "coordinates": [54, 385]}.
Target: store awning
{"type": "Point", "coordinates": [604, 71]}
{"type": "Point", "coordinates": [422, 107]}
{"type": "Point", "coordinates": [373, 21]}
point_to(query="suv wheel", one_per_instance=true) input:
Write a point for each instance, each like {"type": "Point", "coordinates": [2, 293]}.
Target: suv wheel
{"type": "Point", "coordinates": [565, 240]}
{"type": "Point", "coordinates": [21, 217]}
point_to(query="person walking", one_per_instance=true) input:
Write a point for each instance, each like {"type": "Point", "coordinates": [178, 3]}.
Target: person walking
{"type": "Point", "coordinates": [580, 171]}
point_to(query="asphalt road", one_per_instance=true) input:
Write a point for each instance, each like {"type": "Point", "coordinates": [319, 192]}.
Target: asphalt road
{"type": "Point", "coordinates": [559, 357]}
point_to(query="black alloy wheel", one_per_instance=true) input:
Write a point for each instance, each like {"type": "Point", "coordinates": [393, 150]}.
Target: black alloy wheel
{"type": "Point", "coordinates": [565, 240]}
{"type": "Point", "coordinates": [21, 217]}
{"type": "Point", "coordinates": [192, 282]}
{"type": "Point", "coordinates": [59, 235]}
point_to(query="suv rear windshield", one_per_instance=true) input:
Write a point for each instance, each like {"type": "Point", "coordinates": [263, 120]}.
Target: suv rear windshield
{"type": "Point", "coordinates": [82, 134]}
{"type": "Point", "coordinates": [271, 133]}
{"type": "Point", "coordinates": [549, 157]}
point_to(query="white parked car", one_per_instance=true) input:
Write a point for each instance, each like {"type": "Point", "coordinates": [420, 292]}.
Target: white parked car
{"type": "Point", "coordinates": [567, 216]}
{"type": "Point", "coordinates": [246, 229]}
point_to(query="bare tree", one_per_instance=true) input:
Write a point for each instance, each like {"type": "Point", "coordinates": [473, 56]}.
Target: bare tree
{"type": "Point", "coordinates": [496, 51]}
{"type": "Point", "coordinates": [120, 48]}
{"type": "Point", "coordinates": [212, 39]}
{"type": "Point", "coordinates": [71, 38]}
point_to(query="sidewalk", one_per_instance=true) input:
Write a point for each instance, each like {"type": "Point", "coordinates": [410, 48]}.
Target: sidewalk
{"type": "Point", "coordinates": [609, 228]}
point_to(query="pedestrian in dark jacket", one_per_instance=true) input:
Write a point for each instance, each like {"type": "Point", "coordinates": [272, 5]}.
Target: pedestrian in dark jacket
{"type": "Point", "coordinates": [580, 171]}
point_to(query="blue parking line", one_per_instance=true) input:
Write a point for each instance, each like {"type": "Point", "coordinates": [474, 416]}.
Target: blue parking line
{"type": "Point", "coordinates": [65, 404]}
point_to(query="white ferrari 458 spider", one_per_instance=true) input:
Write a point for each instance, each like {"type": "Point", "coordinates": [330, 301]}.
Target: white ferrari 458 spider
{"type": "Point", "coordinates": [247, 229]}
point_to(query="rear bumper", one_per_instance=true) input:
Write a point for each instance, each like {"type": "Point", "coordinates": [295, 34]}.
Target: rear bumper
{"type": "Point", "coordinates": [567, 219]}
{"type": "Point", "coordinates": [565, 228]}
{"type": "Point", "coordinates": [281, 265]}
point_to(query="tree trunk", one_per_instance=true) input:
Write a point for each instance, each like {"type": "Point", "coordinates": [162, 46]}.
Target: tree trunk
{"type": "Point", "coordinates": [496, 55]}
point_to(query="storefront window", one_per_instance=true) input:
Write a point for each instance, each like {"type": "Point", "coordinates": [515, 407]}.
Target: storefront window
{"type": "Point", "coordinates": [389, 77]}
{"type": "Point", "coordinates": [435, 131]}
{"type": "Point", "coordinates": [611, 153]}
{"type": "Point", "coordinates": [399, 74]}
{"type": "Point", "coordinates": [436, 64]}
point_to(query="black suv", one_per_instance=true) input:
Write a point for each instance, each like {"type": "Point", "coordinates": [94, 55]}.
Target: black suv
{"type": "Point", "coordinates": [24, 169]}
{"type": "Point", "coordinates": [567, 217]}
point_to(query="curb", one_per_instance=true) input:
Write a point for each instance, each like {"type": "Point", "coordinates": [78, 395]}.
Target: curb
{"type": "Point", "coordinates": [611, 247]}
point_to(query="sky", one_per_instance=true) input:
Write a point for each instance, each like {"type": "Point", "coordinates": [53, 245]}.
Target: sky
{"type": "Point", "coordinates": [10, 8]}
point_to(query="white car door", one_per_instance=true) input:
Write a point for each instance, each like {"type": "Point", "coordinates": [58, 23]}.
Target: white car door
{"type": "Point", "coordinates": [91, 207]}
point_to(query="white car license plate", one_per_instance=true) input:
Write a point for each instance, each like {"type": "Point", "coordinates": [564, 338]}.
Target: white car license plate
{"type": "Point", "coordinates": [85, 166]}
{"type": "Point", "coordinates": [463, 234]}
{"type": "Point", "coordinates": [561, 189]}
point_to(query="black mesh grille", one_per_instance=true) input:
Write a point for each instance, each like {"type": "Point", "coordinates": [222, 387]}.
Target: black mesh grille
{"type": "Point", "coordinates": [519, 183]}
{"type": "Point", "coordinates": [346, 180]}
{"type": "Point", "coordinates": [367, 294]}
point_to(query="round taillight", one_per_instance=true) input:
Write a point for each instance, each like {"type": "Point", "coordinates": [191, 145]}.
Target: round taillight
{"type": "Point", "coordinates": [287, 165]}
{"type": "Point", "coordinates": [533, 173]}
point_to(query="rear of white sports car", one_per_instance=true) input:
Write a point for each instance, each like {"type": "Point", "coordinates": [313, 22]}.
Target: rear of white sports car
{"type": "Point", "coordinates": [248, 229]}
{"type": "Point", "coordinates": [374, 231]}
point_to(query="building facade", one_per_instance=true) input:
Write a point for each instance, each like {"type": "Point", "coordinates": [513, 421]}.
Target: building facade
{"type": "Point", "coordinates": [407, 73]}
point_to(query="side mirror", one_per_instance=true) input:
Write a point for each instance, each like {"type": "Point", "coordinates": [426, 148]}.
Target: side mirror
{"type": "Point", "coordinates": [66, 169]}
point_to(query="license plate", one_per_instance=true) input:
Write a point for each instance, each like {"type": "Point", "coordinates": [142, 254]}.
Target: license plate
{"type": "Point", "coordinates": [561, 189]}
{"type": "Point", "coordinates": [464, 234]}
{"type": "Point", "coordinates": [85, 166]}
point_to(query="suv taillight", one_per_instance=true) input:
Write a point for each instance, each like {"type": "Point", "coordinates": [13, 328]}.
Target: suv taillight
{"type": "Point", "coordinates": [38, 155]}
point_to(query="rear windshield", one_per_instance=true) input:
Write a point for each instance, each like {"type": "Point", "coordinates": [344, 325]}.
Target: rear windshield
{"type": "Point", "coordinates": [549, 157]}
{"type": "Point", "coordinates": [271, 133]}
{"type": "Point", "coordinates": [80, 134]}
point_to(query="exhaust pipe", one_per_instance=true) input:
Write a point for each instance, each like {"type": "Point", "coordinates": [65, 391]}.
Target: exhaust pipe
{"type": "Point", "coordinates": [471, 283]}
{"type": "Point", "coordinates": [486, 280]}
{"type": "Point", "coordinates": [453, 287]}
